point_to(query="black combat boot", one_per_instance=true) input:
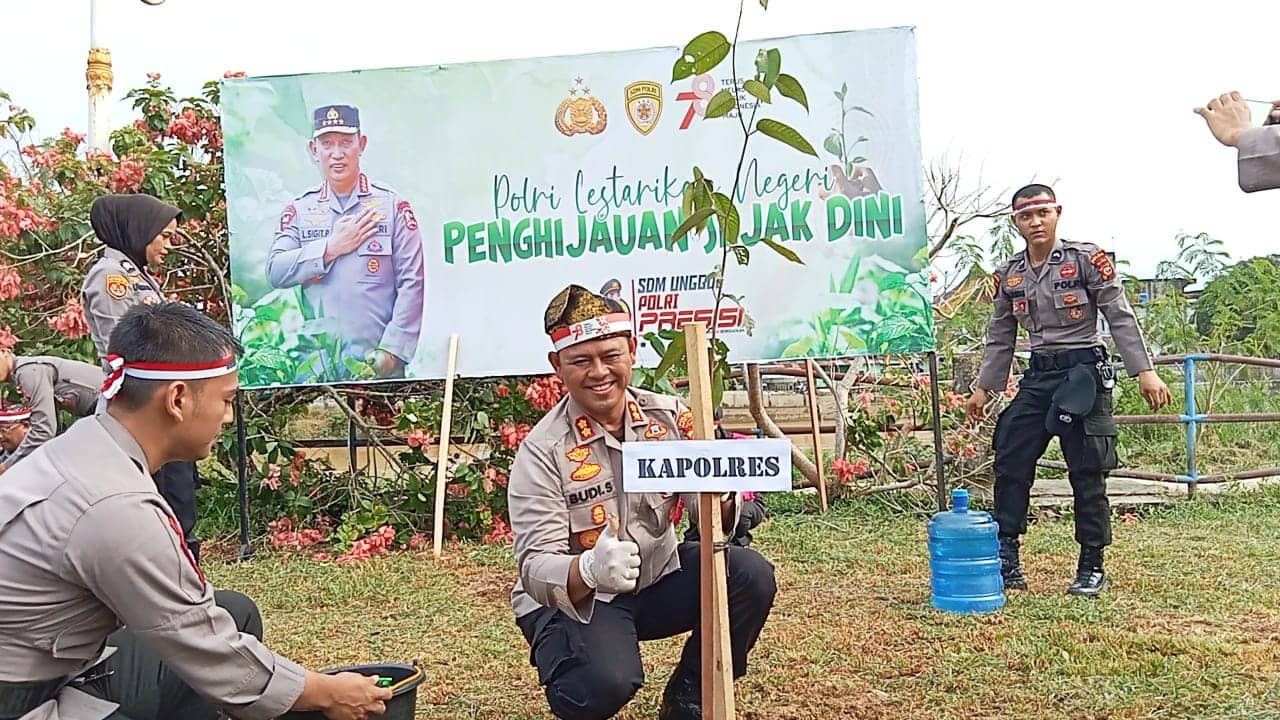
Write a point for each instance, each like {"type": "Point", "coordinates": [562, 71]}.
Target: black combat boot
{"type": "Point", "coordinates": [1010, 566]}
{"type": "Point", "coordinates": [682, 699]}
{"type": "Point", "coordinates": [1090, 579]}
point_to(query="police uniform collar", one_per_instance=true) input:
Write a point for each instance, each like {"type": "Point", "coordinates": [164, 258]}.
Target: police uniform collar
{"type": "Point", "coordinates": [127, 442]}
{"type": "Point", "coordinates": [363, 187]}
{"type": "Point", "coordinates": [1057, 254]}
{"type": "Point", "coordinates": [586, 429]}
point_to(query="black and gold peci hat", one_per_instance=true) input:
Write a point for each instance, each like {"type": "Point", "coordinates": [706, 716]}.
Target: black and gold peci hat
{"type": "Point", "coordinates": [576, 315]}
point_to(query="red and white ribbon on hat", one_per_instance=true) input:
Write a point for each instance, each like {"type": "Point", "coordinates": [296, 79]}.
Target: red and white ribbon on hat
{"type": "Point", "coordinates": [14, 414]}
{"type": "Point", "coordinates": [590, 329]}
{"type": "Point", "coordinates": [162, 371]}
{"type": "Point", "coordinates": [1035, 204]}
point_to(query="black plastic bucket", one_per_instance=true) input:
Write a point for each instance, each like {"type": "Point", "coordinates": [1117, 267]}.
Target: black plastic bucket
{"type": "Point", "coordinates": [405, 680]}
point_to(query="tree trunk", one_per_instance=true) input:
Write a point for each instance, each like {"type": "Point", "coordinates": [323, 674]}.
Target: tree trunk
{"type": "Point", "coordinates": [755, 401]}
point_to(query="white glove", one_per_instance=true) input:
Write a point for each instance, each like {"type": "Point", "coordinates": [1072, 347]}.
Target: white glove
{"type": "Point", "coordinates": [611, 566]}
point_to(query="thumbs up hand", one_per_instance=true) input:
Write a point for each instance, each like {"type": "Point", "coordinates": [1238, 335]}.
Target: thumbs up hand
{"type": "Point", "coordinates": [613, 565]}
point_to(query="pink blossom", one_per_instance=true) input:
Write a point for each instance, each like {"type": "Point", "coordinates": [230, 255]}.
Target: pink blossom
{"type": "Point", "coordinates": [419, 438]}
{"type": "Point", "coordinates": [503, 391]}
{"type": "Point", "coordinates": [501, 534]}
{"type": "Point", "coordinates": [153, 76]}
{"type": "Point", "coordinates": [70, 322]}
{"type": "Point", "coordinates": [513, 434]}
{"type": "Point", "coordinates": [10, 283]}
{"type": "Point", "coordinates": [233, 74]}
{"type": "Point", "coordinates": [493, 477]}
{"type": "Point", "coordinates": [545, 392]}
{"type": "Point", "coordinates": [7, 338]}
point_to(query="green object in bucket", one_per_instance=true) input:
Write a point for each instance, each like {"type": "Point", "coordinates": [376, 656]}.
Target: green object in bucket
{"type": "Point", "coordinates": [384, 682]}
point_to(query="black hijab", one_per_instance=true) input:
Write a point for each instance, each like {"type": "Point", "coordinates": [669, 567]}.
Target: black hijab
{"type": "Point", "coordinates": [129, 223]}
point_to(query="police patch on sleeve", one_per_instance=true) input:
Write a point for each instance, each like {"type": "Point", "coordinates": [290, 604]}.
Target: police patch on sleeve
{"type": "Point", "coordinates": [1102, 261]}
{"type": "Point", "coordinates": [286, 217]}
{"type": "Point", "coordinates": [406, 214]}
{"type": "Point", "coordinates": [117, 286]}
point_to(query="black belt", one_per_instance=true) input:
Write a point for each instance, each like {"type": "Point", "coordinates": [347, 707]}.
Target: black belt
{"type": "Point", "coordinates": [1066, 359]}
{"type": "Point", "coordinates": [19, 698]}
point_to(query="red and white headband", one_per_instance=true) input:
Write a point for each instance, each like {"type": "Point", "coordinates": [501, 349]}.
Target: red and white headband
{"type": "Point", "coordinates": [591, 329]}
{"type": "Point", "coordinates": [162, 371]}
{"type": "Point", "coordinates": [1035, 204]}
{"type": "Point", "coordinates": [14, 414]}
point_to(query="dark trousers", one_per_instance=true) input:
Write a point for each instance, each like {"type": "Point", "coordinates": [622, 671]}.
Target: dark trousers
{"type": "Point", "coordinates": [591, 671]}
{"type": "Point", "coordinates": [1089, 449]}
{"type": "Point", "coordinates": [145, 687]}
{"type": "Point", "coordinates": [177, 483]}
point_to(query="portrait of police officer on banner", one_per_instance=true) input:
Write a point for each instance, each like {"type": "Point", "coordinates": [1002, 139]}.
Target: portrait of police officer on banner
{"type": "Point", "coordinates": [352, 247]}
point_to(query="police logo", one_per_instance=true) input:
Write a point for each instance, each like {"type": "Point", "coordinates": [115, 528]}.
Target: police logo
{"type": "Point", "coordinates": [373, 265]}
{"type": "Point", "coordinates": [1070, 299]}
{"type": "Point", "coordinates": [644, 105]}
{"type": "Point", "coordinates": [685, 423]}
{"type": "Point", "coordinates": [1015, 281]}
{"type": "Point", "coordinates": [1068, 271]}
{"type": "Point", "coordinates": [598, 514]}
{"type": "Point", "coordinates": [1102, 262]}
{"type": "Point", "coordinates": [580, 112]}
{"type": "Point", "coordinates": [655, 431]}
{"type": "Point", "coordinates": [406, 214]}
{"type": "Point", "coordinates": [287, 217]}
{"type": "Point", "coordinates": [1075, 313]}
{"type": "Point", "coordinates": [588, 538]}
{"type": "Point", "coordinates": [375, 246]}
{"type": "Point", "coordinates": [579, 454]}
{"type": "Point", "coordinates": [117, 286]}
{"type": "Point", "coordinates": [1020, 306]}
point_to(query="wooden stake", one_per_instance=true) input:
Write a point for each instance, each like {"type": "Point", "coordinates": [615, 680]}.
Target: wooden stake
{"type": "Point", "coordinates": [717, 655]}
{"type": "Point", "coordinates": [815, 417]}
{"type": "Point", "coordinates": [442, 460]}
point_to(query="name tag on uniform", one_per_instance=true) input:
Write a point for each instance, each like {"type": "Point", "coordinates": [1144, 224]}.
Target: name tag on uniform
{"type": "Point", "coordinates": [713, 466]}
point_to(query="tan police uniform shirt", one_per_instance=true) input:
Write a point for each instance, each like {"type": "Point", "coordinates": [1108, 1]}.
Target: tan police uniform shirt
{"type": "Point", "coordinates": [88, 545]}
{"type": "Point", "coordinates": [112, 286]}
{"type": "Point", "coordinates": [1258, 158]}
{"type": "Point", "coordinates": [567, 480]}
{"type": "Point", "coordinates": [48, 383]}
{"type": "Point", "coordinates": [1058, 304]}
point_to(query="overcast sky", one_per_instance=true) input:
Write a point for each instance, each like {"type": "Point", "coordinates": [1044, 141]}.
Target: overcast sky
{"type": "Point", "coordinates": [1095, 95]}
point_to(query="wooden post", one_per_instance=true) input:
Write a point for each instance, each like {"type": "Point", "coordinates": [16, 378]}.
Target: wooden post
{"type": "Point", "coordinates": [717, 655]}
{"type": "Point", "coordinates": [815, 417]}
{"type": "Point", "coordinates": [442, 460]}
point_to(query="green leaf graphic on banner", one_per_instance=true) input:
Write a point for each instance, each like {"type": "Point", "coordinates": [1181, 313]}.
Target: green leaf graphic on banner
{"type": "Point", "coordinates": [782, 250]}
{"type": "Point", "coordinates": [702, 54]}
{"type": "Point", "coordinates": [791, 88]}
{"type": "Point", "coordinates": [698, 216]}
{"type": "Point", "coordinates": [785, 134]}
{"type": "Point", "coordinates": [720, 104]}
{"type": "Point", "coordinates": [758, 90]}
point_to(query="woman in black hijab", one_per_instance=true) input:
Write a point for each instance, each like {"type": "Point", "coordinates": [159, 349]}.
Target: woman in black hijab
{"type": "Point", "coordinates": [139, 231]}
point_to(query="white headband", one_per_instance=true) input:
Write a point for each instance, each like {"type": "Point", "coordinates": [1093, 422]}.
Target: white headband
{"type": "Point", "coordinates": [162, 371]}
{"type": "Point", "coordinates": [590, 329]}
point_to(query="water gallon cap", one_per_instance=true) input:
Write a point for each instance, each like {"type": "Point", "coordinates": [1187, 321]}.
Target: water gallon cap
{"type": "Point", "coordinates": [960, 500]}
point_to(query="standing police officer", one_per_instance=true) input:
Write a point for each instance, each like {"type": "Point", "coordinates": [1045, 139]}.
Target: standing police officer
{"type": "Point", "coordinates": [590, 589]}
{"type": "Point", "coordinates": [354, 248]}
{"type": "Point", "coordinates": [139, 231]}
{"type": "Point", "coordinates": [1055, 289]}
{"type": "Point", "coordinates": [48, 383]}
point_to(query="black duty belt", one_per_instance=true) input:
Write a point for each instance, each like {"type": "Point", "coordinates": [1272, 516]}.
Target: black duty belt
{"type": "Point", "coordinates": [19, 698]}
{"type": "Point", "coordinates": [1067, 359]}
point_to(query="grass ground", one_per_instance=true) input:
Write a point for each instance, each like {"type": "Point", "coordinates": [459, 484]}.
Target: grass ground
{"type": "Point", "coordinates": [1190, 627]}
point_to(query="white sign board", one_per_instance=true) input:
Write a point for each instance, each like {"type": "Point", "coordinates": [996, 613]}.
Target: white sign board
{"type": "Point", "coordinates": [707, 466]}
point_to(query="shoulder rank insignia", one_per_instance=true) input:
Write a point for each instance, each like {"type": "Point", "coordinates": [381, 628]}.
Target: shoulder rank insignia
{"type": "Point", "coordinates": [634, 409]}
{"type": "Point", "coordinates": [583, 425]}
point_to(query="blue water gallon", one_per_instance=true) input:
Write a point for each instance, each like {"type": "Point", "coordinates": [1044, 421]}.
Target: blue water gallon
{"type": "Point", "coordinates": [964, 559]}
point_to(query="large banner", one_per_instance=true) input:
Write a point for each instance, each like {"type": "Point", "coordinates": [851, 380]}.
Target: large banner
{"type": "Point", "coordinates": [375, 213]}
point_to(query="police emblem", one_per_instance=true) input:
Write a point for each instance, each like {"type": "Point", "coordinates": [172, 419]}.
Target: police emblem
{"type": "Point", "coordinates": [598, 516]}
{"type": "Point", "coordinates": [1070, 299]}
{"type": "Point", "coordinates": [580, 112]}
{"type": "Point", "coordinates": [373, 265]}
{"type": "Point", "coordinates": [685, 422]}
{"type": "Point", "coordinates": [585, 471]}
{"type": "Point", "coordinates": [1102, 262]}
{"type": "Point", "coordinates": [375, 246]}
{"type": "Point", "coordinates": [1020, 306]}
{"type": "Point", "coordinates": [644, 105]}
{"type": "Point", "coordinates": [1075, 313]}
{"type": "Point", "coordinates": [579, 454]}
{"type": "Point", "coordinates": [588, 538]}
{"type": "Point", "coordinates": [406, 214]}
{"type": "Point", "coordinates": [1068, 271]}
{"type": "Point", "coordinates": [117, 286]}
{"type": "Point", "coordinates": [1015, 281]}
{"type": "Point", "coordinates": [655, 431]}
{"type": "Point", "coordinates": [287, 217]}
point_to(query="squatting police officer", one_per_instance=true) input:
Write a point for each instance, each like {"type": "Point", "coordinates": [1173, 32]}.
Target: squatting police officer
{"type": "Point", "coordinates": [354, 247]}
{"type": "Point", "coordinates": [1055, 289]}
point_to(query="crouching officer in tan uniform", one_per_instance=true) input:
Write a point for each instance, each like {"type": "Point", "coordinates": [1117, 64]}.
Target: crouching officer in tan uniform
{"type": "Point", "coordinates": [87, 545]}
{"type": "Point", "coordinates": [49, 383]}
{"type": "Point", "coordinates": [589, 591]}
{"type": "Point", "coordinates": [1055, 289]}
